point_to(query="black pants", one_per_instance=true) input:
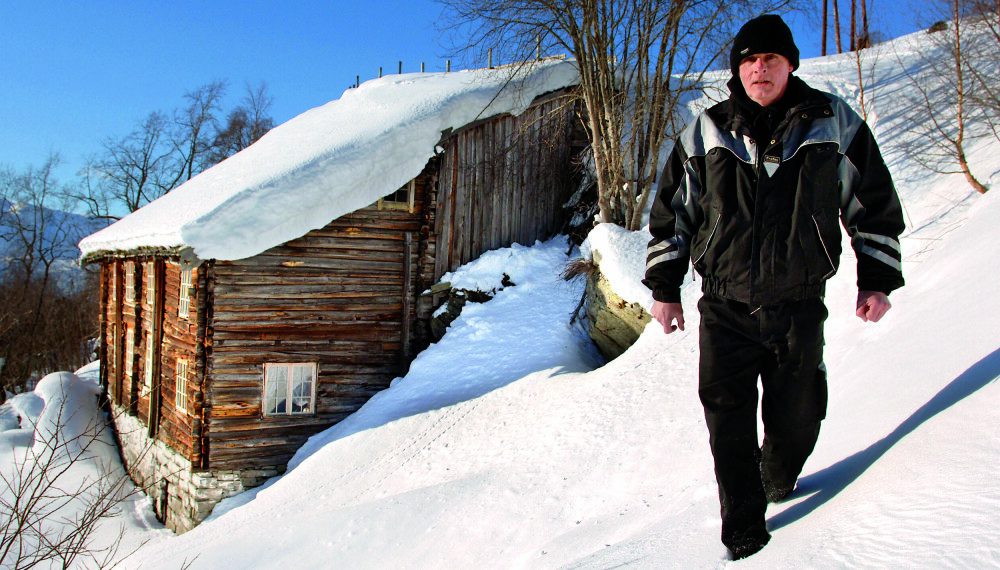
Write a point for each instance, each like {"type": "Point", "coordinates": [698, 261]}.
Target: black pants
{"type": "Point", "coordinates": [783, 346]}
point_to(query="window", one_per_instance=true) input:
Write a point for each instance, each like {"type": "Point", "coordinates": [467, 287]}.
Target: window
{"type": "Point", "coordinates": [129, 281]}
{"type": "Point", "coordinates": [129, 352]}
{"type": "Point", "coordinates": [113, 280]}
{"type": "Point", "coordinates": [184, 298]}
{"type": "Point", "coordinates": [401, 199]}
{"type": "Point", "coordinates": [150, 283]}
{"type": "Point", "coordinates": [289, 389]}
{"type": "Point", "coordinates": [147, 384]}
{"type": "Point", "coordinates": [180, 397]}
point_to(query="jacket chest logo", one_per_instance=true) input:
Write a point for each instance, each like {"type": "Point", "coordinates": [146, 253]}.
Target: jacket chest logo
{"type": "Point", "coordinates": [771, 164]}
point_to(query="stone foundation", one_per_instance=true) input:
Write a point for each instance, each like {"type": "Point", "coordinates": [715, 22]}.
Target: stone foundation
{"type": "Point", "coordinates": [614, 323]}
{"type": "Point", "coordinates": [182, 498]}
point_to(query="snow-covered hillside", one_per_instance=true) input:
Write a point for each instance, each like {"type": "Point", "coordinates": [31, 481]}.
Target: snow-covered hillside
{"type": "Point", "coordinates": [507, 447]}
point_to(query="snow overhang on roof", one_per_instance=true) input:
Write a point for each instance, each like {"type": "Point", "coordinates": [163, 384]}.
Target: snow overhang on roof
{"type": "Point", "coordinates": [327, 162]}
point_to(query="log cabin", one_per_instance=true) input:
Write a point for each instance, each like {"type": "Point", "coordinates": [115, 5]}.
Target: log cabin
{"type": "Point", "coordinates": [220, 361]}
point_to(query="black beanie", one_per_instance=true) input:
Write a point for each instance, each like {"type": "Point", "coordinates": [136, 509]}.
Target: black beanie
{"type": "Point", "coordinates": [764, 34]}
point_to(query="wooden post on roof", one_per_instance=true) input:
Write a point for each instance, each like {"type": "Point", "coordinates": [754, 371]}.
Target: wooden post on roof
{"type": "Point", "coordinates": [490, 57]}
{"type": "Point", "coordinates": [400, 68]}
{"type": "Point", "coordinates": [380, 71]}
{"type": "Point", "coordinates": [448, 68]}
{"type": "Point", "coordinates": [421, 67]}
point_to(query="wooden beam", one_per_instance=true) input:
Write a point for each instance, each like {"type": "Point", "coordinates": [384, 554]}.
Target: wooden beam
{"type": "Point", "coordinates": [404, 343]}
{"type": "Point", "coordinates": [156, 338]}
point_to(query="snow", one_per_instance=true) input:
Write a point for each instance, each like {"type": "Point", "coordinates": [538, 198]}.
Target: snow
{"type": "Point", "coordinates": [326, 162]}
{"type": "Point", "coordinates": [508, 445]}
{"type": "Point", "coordinates": [54, 440]}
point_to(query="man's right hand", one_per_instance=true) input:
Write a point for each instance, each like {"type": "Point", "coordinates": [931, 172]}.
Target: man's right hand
{"type": "Point", "coordinates": [668, 313]}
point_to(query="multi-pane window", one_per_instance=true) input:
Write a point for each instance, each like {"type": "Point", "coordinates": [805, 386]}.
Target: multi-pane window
{"type": "Point", "coordinates": [130, 281]}
{"type": "Point", "coordinates": [112, 283]}
{"type": "Point", "coordinates": [184, 298]}
{"type": "Point", "coordinates": [401, 199]}
{"type": "Point", "coordinates": [289, 389]}
{"type": "Point", "coordinates": [181, 397]}
{"type": "Point", "coordinates": [129, 352]}
{"type": "Point", "coordinates": [150, 283]}
{"type": "Point", "coordinates": [147, 384]}
{"type": "Point", "coordinates": [113, 277]}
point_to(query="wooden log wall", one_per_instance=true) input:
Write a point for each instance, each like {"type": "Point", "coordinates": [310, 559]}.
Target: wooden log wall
{"type": "Point", "coordinates": [334, 297]}
{"type": "Point", "coordinates": [112, 339]}
{"type": "Point", "coordinates": [131, 329]}
{"type": "Point", "coordinates": [176, 340]}
{"type": "Point", "coordinates": [503, 180]}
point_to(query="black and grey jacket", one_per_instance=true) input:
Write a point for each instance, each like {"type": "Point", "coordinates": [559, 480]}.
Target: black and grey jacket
{"type": "Point", "coordinates": [759, 218]}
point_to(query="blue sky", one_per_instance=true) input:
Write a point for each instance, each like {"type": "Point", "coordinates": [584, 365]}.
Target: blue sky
{"type": "Point", "coordinates": [74, 73]}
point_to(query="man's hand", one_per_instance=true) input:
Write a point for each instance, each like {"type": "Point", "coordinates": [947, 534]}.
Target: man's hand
{"type": "Point", "coordinates": [872, 306]}
{"type": "Point", "coordinates": [667, 313]}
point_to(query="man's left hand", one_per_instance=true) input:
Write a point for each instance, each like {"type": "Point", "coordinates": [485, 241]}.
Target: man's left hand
{"type": "Point", "coordinates": [872, 306]}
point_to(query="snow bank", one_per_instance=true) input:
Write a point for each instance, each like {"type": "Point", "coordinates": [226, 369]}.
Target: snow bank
{"type": "Point", "coordinates": [624, 262]}
{"type": "Point", "coordinates": [61, 415]}
{"type": "Point", "coordinates": [325, 163]}
{"type": "Point", "coordinates": [58, 467]}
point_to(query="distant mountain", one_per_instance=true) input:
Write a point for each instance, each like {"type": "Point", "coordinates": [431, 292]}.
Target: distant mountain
{"type": "Point", "coordinates": [49, 233]}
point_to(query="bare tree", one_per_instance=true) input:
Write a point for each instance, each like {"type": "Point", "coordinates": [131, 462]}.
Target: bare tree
{"type": "Point", "coordinates": [137, 168]}
{"type": "Point", "coordinates": [980, 55]}
{"type": "Point", "coordinates": [854, 30]}
{"type": "Point", "coordinates": [636, 60]}
{"type": "Point", "coordinates": [38, 280]}
{"type": "Point", "coordinates": [826, 24]}
{"type": "Point", "coordinates": [159, 154]}
{"type": "Point", "coordinates": [836, 26]}
{"type": "Point", "coordinates": [245, 124]}
{"type": "Point", "coordinates": [866, 58]}
{"type": "Point", "coordinates": [943, 98]}
{"type": "Point", "coordinates": [195, 126]}
{"type": "Point", "coordinates": [164, 150]}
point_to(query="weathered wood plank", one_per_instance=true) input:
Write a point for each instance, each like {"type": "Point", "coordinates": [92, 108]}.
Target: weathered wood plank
{"type": "Point", "coordinates": [222, 358]}
{"type": "Point", "coordinates": [359, 315]}
{"type": "Point", "coordinates": [296, 276]}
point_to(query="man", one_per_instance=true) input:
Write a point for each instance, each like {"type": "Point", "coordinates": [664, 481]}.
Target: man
{"type": "Point", "coordinates": [751, 195]}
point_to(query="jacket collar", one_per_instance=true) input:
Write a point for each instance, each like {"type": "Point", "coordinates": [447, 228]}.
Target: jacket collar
{"type": "Point", "coordinates": [740, 112]}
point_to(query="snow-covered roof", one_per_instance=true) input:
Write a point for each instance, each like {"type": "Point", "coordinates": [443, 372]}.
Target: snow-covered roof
{"type": "Point", "coordinates": [325, 163]}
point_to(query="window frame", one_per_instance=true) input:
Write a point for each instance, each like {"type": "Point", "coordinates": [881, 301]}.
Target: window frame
{"type": "Point", "coordinates": [180, 385]}
{"type": "Point", "coordinates": [129, 352]}
{"type": "Point", "coordinates": [411, 191]}
{"type": "Point", "coordinates": [184, 295]}
{"type": "Point", "coordinates": [129, 281]}
{"type": "Point", "coordinates": [149, 275]}
{"type": "Point", "coordinates": [147, 373]}
{"type": "Point", "coordinates": [289, 396]}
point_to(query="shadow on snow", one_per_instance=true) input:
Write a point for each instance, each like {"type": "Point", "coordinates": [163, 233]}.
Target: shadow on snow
{"type": "Point", "coordinates": [827, 483]}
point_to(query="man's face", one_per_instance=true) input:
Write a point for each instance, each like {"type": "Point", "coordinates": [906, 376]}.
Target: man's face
{"type": "Point", "coordinates": [765, 76]}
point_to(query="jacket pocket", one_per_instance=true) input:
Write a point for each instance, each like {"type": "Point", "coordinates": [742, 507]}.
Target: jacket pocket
{"type": "Point", "coordinates": [826, 258]}
{"type": "Point", "coordinates": [703, 247]}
